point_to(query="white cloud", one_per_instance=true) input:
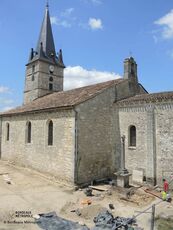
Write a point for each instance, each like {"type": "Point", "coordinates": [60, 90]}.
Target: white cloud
{"type": "Point", "coordinates": [95, 2]}
{"type": "Point", "coordinates": [66, 19]}
{"type": "Point", "coordinates": [6, 108]}
{"type": "Point", "coordinates": [6, 101]}
{"type": "Point", "coordinates": [56, 21]}
{"type": "Point", "coordinates": [95, 24]}
{"type": "Point", "coordinates": [77, 76]}
{"type": "Point", "coordinates": [67, 12]}
{"type": "Point", "coordinates": [167, 25]}
{"type": "Point", "coordinates": [6, 104]}
{"type": "Point", "coordinates": [4, 89]}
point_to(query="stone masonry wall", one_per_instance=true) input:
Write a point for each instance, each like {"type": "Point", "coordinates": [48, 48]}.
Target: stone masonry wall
{"type": "Point", "coordinates": [97, 131]}
{"type": "Point", "coordinates": [136, 157]}
{"type": "Point", "coordinates": [56, 160]}
{"type": "Point", "coordinates": [154, 146]}
{"type": "Point", "coordinates": [37, 83]}
{"type": "Point", "coordinates": [95, 154]}
{"type": "Point", "coordinates": [164, 141]}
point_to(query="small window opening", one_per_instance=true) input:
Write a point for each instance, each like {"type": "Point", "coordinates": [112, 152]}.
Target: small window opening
{"type": "Point", "coordinates": [132, 136]}
{"type": "Point", "coordinates": [50, 133]}
{"type": "Point", "coordinates": [51, 79]}
{"type": "Point", "coordinates": [28, 132]}
{"type": "Point", "coordinates": [50, 86]}
{"type": "Point", "coordinates": [8, 132]}
{"type": "Point", "coordinates": [33, 71]}
{"type": "Point", "coordinates": [33, 77]}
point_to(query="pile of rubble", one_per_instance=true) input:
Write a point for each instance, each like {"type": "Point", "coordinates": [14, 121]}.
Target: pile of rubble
{"type": "Point", "coordinates": [105, 220]}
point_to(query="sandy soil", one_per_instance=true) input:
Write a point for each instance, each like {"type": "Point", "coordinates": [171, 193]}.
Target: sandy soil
{"type": "Point", "coordinates": [33, 193]}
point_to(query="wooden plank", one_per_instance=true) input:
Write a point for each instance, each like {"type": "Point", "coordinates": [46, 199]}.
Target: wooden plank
{"type": "Point", "coordinates": [101, 188]}
{"type": "Point", "coordinates": [157, 194]}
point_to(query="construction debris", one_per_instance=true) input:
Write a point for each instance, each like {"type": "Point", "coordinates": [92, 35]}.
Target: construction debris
{"type": "Point", "coordinates": [105, 220]}
{"type": "Point", "coordinates": [111, 206]}
{"type": "Point", "coordinates": [36, 216]}
{"type": "Point", "coordinates": [101, 188]}
{"type": "Point", "coordinates": [88, 191]}
{"type": "Point", "coordinates": [86, 201]}
{"type": "Point", "coordinates": [154, 193]}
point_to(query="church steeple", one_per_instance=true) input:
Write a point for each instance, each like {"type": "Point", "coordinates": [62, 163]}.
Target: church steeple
{"type": "Point", "coordinates": [45, 69]}
{"type": "Point", "coordinates": [45, 48]}
{"type": "Point", "coordinates": [46, 37]}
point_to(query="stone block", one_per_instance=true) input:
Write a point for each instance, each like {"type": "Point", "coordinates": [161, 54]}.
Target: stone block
{"type": "Point", "coordinates": [137, 176]}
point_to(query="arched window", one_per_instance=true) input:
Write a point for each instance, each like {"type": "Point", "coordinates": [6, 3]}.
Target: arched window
{"type": "Point", "coordinates": [132, 136]}
{"type": "Point", "coordinates": [51, 83]}
{"type": "Point", "coordinates": [28, 132]}
{"type": "Point", "coordinates": [7, 131]}
{"type": "Point", "coordinates": [50, 133]}
{"type": "Point", "coordinates": [51, 79]}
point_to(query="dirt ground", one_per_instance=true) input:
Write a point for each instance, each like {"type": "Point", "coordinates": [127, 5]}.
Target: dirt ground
{"type": "Point", "coordinates": [24, 193]}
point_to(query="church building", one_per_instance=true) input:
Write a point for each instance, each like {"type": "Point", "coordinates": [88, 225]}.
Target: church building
{"type": "Point", "coordinates": [75, 135]}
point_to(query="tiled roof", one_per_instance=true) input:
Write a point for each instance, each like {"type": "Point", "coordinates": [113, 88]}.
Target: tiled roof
{"type": "Point", "coordinates": [64, 99]}
{"type": "Point", "coordinates": [147, 98]}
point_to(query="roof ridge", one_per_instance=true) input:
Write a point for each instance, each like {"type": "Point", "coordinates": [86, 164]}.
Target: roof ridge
{"type": "Point", "coordinates": [82, 87]}
{"type": "Point", "coordinates": [148, 97]}
{"type": "Point", "coordinates": [65, 99]}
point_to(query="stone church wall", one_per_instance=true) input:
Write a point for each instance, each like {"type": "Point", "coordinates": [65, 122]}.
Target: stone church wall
{"type": "Point", "coordinates": [58, 159]}
{"type": "Point", "coordinates": [95, 155]}
{"type": "Point", "coordinates": [97, 133]}
{"type": "Point", "coordinates": [164, 141]}
{"type": "Point", "coordinates": [154, 145]}
{"type": "Point", "coordinates": [136, 157]}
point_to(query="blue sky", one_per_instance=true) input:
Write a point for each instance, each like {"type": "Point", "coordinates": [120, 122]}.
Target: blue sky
{"type": "Point", "coordinates": [95, 36]}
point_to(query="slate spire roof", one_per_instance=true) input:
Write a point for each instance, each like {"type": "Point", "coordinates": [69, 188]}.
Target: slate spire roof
{"type": "Point", "coordinates": [45, 48]}
{"type": "Point", "coordinates": [46, 36]}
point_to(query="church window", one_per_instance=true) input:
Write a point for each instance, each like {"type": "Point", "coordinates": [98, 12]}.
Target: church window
{"type": "Point", "coordinates": [50, 133]}
{"type": "Point", "coordinates": [51, 79]}
{"type": "Point", "coordinates": [8, 132]}
{"type": "Point", "coordinates": [51, 83]}
{"type": "Point", "coordinates": [50, 86]}
{"type": "Point", "coordinates": [28, 132]}
{"type": "Point", "coordinates": [132, 136]}
{"type": "Point", "coordinates": [33, 71]}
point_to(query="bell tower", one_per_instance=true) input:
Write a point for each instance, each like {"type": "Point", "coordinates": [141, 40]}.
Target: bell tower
{"type": "Point", "coordinates": [130, 73]}
{"type": "Point", "coordinates": [45, 69]}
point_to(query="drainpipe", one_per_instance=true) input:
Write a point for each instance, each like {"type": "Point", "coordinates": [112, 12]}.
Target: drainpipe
{"type": "Point", "coordinates": [76, 149]}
